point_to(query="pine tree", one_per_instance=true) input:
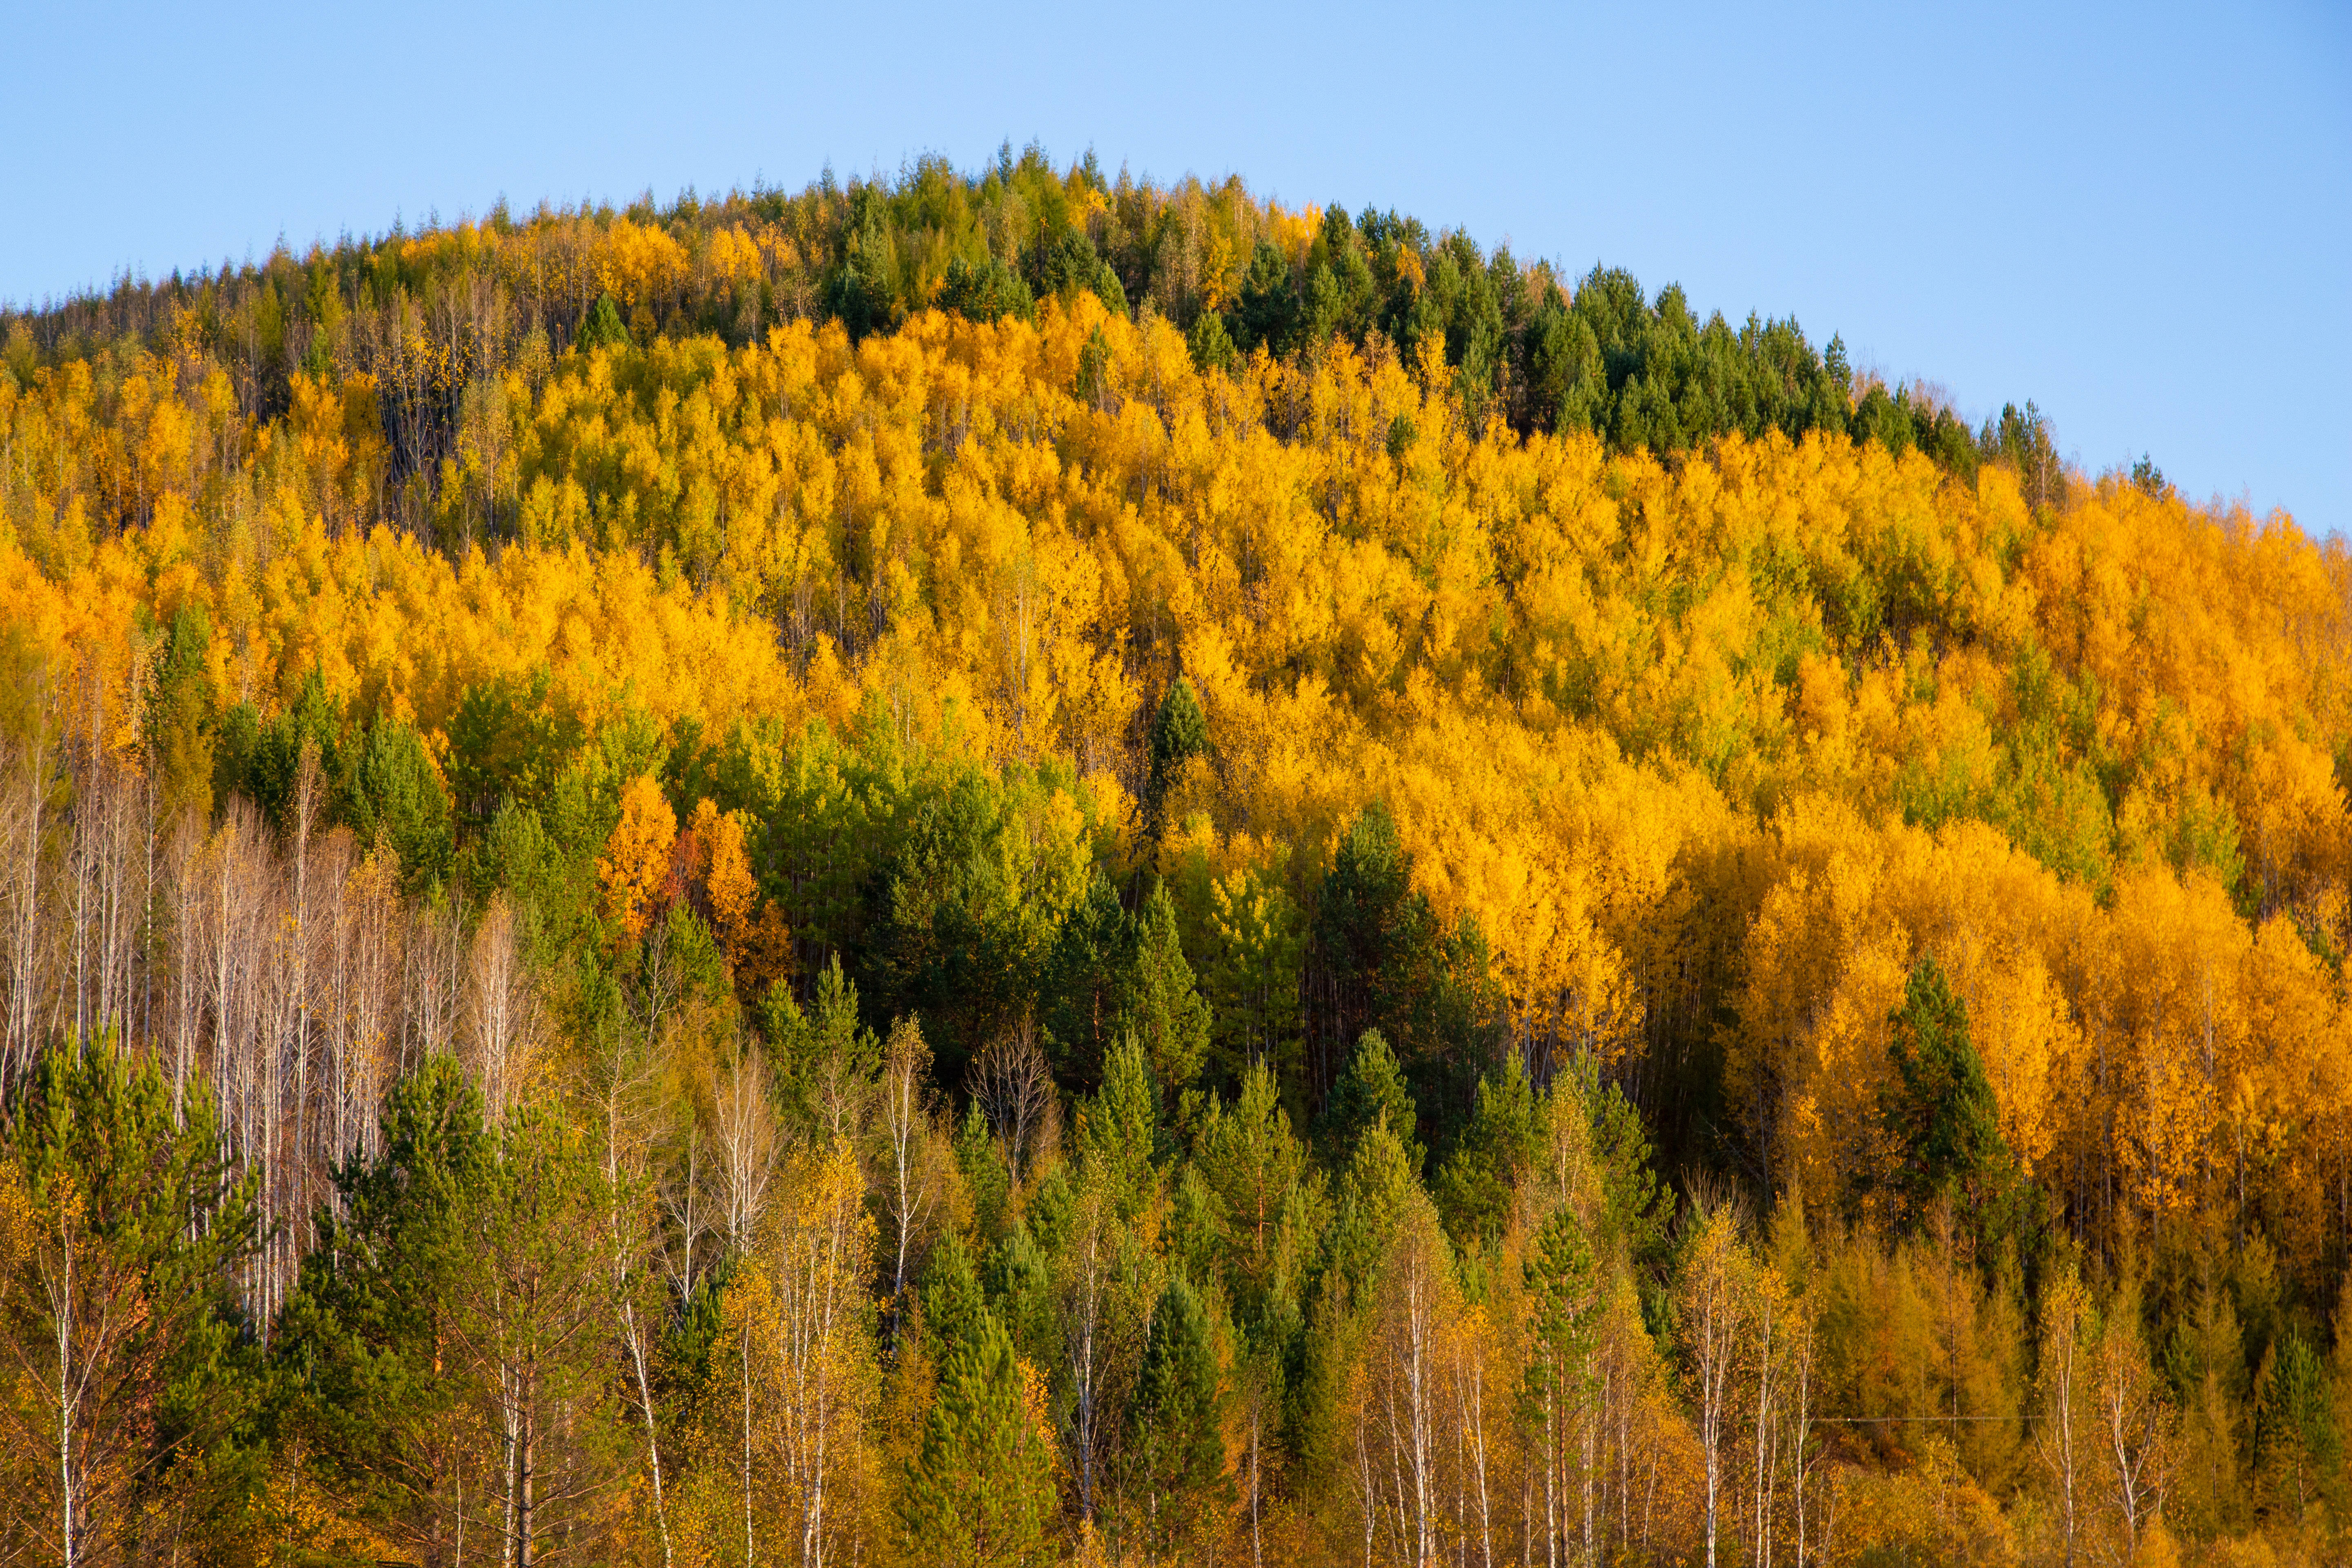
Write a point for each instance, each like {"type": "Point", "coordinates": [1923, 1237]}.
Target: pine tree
{"type": "Point", "coordinates": [1474, 1187]}
{"type": "Point", "coordinates": [1371, 1092]}
{"type": "Point", "coordinates": [1087, 981]}
{"type": "Point", "coordinates": [603, 327]}
{"type": "Point", "coordinates": [179, 713]}
{"type": "Point", "coordinates": [1163, 1012]}
{"type": "Point", "coordinates": [1176, 1427]}
{"type": "Point", "coordinates": [1020, 1288]}
{"type": "Point", "coordinates": [1249, 1158]}
{"type": "Point", "coordinates": [953, 1305]}
{"type": "Point", "coordinates": [454, 1336]}
{"type": "Point", "coordinates": [390, 1427]}
{"type": "Point", "coordinates": [1180, 733]}
{"type": "Point", "coordinates": [1119, 1130]}
{"type": "Point", "coordinates": [125, 1407]}
{"type": "Point", "coordinates": [1941, 1112]}
{"type": "Point", "coordinates": [1378, 1182]}
{"type": "Point", "coordinates": [392, 795]}
{"type": "Point", "coordinates": [1381, 958]}
{"type": "Point", "coordinates": [1269, 305]}
{"type": "Point", "coordinates": [2300, 1446]}
{"type": "Point", "coordinates": [981, 1493]}
{"type": "Point", "coordinates": [1210, 344]}
{"type": "Point", "coordinates": [531, 1316]}
{"type": "Point", "coordinates": [828, 1064]}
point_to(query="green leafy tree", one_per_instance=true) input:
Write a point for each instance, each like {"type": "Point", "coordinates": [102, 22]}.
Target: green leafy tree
{"type": "Point", "coordinates": [1341, 293]}
{"type": "Point", "coordinates": [2021, 439]}
{"type": "Point", "coordinates": [1570, 385]}
{"type": "Point", "coordinates": [1256, 939]}
{"type": "Point", "coordinates": [534, 1320]}
{"type": "Point", "coordinates": [986, 1175]}
{"type": "Point", "coordinates": [557, 891]}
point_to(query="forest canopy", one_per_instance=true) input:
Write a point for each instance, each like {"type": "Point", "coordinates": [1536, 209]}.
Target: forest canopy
{"type": "Point", "coordinates": [1016, 867]}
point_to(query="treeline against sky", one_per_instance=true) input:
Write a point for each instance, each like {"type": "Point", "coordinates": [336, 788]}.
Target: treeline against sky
{"type": "Point", "coordinates": [438, 319]}
{"type": "Point", "coordinates": [1013, 869]}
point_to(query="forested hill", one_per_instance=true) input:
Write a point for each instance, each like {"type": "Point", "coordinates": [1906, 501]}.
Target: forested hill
{"type": "Point", "coordinates": [426, 315]}
{"type": "Point", "coordinates": [1013, 867]}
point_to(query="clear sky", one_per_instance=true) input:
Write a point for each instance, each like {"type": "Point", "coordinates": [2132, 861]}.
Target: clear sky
{"type": "Point", "coordinates": [2138, 215]}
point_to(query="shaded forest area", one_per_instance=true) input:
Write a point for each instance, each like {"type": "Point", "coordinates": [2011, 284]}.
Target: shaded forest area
{"type": "Point", "coordinates": [1018, 869]}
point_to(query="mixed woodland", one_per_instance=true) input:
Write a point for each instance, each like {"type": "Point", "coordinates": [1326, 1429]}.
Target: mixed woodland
{"type": "Point", "coordinates": [1023, 867]}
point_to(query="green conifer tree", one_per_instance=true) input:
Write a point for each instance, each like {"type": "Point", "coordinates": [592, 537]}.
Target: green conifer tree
{"type": "Point", "coordinates": [392, 795]}
{"type": "Point", "coordinates": [1211, 344]}
{"type": "Point", "coordinates": [1941, 1110]}
{"type": "Point", "coordinates": [1119, 1130]}
{"type": "Point", "coordinates": [1473, 1188]}
{"type": "Point", "coordinates": [603, 327]}
{"type": "Point", "coordinates": [1563, 1282]}
{"type": "Point", "coordinates": [380, 1411]}
{"type": "Point", "coordinates": [121, 1228]}
{"type": "Point", "coordinates": [980, 1494]}
{"type": "Point", "coordinates": [1377, 1180]}
{"type": "Point", "coordinates": [1371, 1091]}
{"type": "Point", "coordinates": [1175, 1425]}
{"type": "Point", "coordinates": [953, 1305]}
{"type": "Point", "coordinates": [1163, 1012]}
{"type": "Point", "coordinates": [1020, 1286]}
{"type": "Point", "coordinates": [1180, 733]}
{"type": "Point", "coordinates": [1248, 1157]}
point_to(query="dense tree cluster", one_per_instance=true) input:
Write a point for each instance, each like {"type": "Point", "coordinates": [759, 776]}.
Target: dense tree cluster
{"type": "Point", "coordinates": [434, 323]}
{"type": "Point", "coordinates": [1015, 868]}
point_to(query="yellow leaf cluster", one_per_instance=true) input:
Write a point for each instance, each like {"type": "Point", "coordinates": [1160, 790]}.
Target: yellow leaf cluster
{"type": "Point", "coordinates": [1762, 725]}
{"type": "Point", "coordinates": [636, 864]}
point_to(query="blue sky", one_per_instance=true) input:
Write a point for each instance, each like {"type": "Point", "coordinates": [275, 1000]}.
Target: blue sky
{"type": "Point", "coordinates": [2139, 216]}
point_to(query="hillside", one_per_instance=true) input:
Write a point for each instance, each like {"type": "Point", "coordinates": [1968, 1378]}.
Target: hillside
{"type": "Point", "coordinates": [1013, 866]}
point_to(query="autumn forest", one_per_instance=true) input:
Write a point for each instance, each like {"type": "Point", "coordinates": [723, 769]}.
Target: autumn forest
{"type": "Point", "coordinates": [1022, 866]}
